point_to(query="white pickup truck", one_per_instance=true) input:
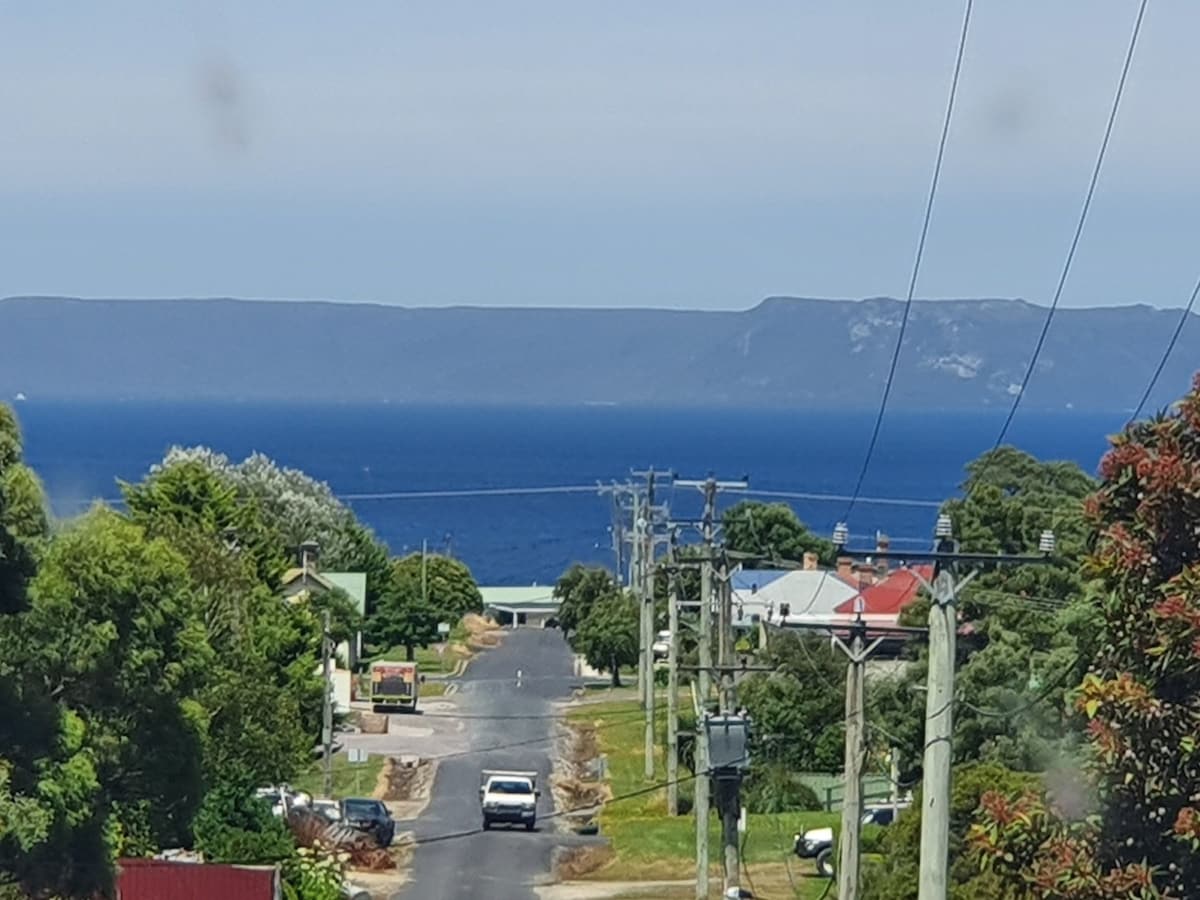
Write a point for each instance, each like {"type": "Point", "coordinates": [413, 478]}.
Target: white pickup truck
{"type": "Point", "coordinates": [509, 797]}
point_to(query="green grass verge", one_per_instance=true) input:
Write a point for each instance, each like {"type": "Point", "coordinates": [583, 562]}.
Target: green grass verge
{"type": "Point", "coordinates": [356, 780]}
{"type": "Point", "coordinates": [433, 689]}
{"type": "Point", "coordinates": [645, 840]}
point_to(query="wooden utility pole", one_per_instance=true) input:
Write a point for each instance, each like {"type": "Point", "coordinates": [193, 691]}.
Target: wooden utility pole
{"type": "Point", "coordinates": [327, 706]}
{"type": "Point", "coordinates": [939, 700]}
{"type": "Point", "coordinates": [635, 588]}
{"type": "Point", "coordinates": [672, 682]}
{"type": "Point", "coordinates": [849, 865]}
{"type": "Point", "coordinates": [709, 487]}
{"type": "Point", "coordinates": [646, 539]}
{"type": "Point", "coordinates": [730, 800]}
{"type": "Point", "coordinates": [939, 729]}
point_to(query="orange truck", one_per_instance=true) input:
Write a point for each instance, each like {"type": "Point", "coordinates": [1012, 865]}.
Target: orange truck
{"type": "Point", "coordinates": [395, 686]}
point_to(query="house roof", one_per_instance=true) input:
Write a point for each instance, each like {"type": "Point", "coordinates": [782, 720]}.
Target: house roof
{"type": "Point", "coordinates": [293, 575]}
{"type": "Point", "coordinates": [353, 584]}
{"type": "Point", "coordinates": [811, 594]}
{"type": "Point", "coordinates": [751, 580]}
{"type": "Point", "coordinates": [536, 597]}
{"type": "Point", "coordinates": [888, 597]}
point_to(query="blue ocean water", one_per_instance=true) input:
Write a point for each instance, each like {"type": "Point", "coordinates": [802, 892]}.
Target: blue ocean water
{"type": "Point", "coordinates": [81, 450]}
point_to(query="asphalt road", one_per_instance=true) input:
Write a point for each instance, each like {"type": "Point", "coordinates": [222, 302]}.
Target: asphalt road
{"type": "Point", "coordinates": [454, 857]}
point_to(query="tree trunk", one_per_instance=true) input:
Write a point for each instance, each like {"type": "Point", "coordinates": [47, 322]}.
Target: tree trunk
{"type": "Point", "coordinates": [410, 651]}
{"type": "Point", "coordinates": [616, 672]}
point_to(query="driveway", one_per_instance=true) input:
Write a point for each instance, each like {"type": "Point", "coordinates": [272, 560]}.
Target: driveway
{"type": "Point", "coordinates": [454, 857]}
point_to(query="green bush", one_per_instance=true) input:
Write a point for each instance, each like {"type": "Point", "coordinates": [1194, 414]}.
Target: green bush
{"type": "Point", "coordinates": [871, 840]}
{"type": "Point", "coordinates": [234, 826]}
{"type": "Point", "coordinates": [775, 788]}
{"type": "Point", "coordinates": [895, 878]}
{"type": "Point", "coordinates": [313, 875]}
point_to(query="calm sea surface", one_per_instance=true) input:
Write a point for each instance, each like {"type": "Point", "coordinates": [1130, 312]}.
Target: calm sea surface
{"type": "Point", "coordinates": [81, 450]}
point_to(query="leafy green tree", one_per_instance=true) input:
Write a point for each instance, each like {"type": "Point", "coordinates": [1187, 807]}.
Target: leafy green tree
{"type": "Point", "coordinates": [262, 695]}
{"type": "Point", "coordinates": [446, 582]}
{"type": "Point", "coordinates": [797, 710]}
{"type": "Point", "coordinates": [115, 633]}
{"type": "Point", "coordinates": [403, 618]}
{"type": "Point", "coordinates": [578, 590]}
{"type": "Point", "coordinates": [185, 495]}
{"type": "Point", "coordinates": [51, 839]}
{"type": "Point", "coordinates": [608, 636]}
{"type": "Point", "coordinates": [24, 525]}
{"type": "Point", "coordinates": [1139, 696]}
{"type": "Point", "coordinates": [1029, 629]}
{"type": "Point", "coordinates": [297, 508]}
{"type": "Point", "coordinates": [772, 531]}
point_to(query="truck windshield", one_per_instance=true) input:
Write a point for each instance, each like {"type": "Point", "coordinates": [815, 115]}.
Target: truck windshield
{"type": "Point", "coordinates": [510, 787]}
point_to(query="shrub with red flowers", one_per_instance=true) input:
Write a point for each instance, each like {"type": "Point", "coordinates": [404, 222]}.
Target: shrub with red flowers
{"type": "Point", "coordinates": [1141, 698]}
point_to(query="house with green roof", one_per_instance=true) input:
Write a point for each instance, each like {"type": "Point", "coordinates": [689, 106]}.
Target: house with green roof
{"type": "Point", "coordinates": [534, 606]}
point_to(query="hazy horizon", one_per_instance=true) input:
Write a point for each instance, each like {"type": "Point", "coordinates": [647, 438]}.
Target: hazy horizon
{"type": "Point", "coordinates": [537, 154]}
{"type": "Point", "coordinates": [551, 306]}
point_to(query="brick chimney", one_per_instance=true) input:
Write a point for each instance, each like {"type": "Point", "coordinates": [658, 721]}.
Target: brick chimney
{"type": "Point", "coordinates": [866, 573]}
{"type": "Point", "coordinates": [882, 544]}
{"type": "Point", "coordinates": [309, 553]}
{"type": "Point", "coordinates": [810, 561]}
{"type": "Point", "coordinates": [845, 569]}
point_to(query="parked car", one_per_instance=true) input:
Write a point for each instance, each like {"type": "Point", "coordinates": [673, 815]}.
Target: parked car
{"type": "Point", "coordinates": [330, 809]}
{"type": "Point", "coordinates": [282, 798]}
{"type": "Point", "coordinates": [817, 843]}
{"type": "Point", "coordinates": [371, 817]}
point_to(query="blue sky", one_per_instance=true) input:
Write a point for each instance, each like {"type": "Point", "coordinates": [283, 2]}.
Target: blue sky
{"type": "Point", "coordinates": [683, 154]}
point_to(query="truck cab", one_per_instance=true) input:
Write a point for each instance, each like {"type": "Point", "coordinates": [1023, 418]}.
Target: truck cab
{"type": "Point", "coordinates": [509, 798]}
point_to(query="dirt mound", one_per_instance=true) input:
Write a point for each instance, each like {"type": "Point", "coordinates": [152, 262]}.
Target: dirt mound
{"type": "Point", "coordinates": [310, 829]}
{"type": "Point", "coordinates": [407, 778]}
{"type": "Point", "coordinates": [476, 624]}
{"type": "Point", "coordinates": [579, 791]}
{"type": "Point", "coordinates": [576, 862]}
{"type": "Point", "coordinates": [371, 723]}
{"type": "Point", "coordinates": [580, 795]}
{"type": "Point", "coordinates": [482, 633]}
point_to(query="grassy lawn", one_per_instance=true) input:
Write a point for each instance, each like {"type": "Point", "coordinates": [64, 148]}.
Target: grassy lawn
{"type": "Point", "coordinates": [650, 845]}
{"type": "Point", "coordinates": [356, 780]}
{"type": "Point", "coordinates": [433, 689]}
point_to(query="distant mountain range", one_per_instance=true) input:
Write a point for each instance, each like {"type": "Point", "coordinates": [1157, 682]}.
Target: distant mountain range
{"type": "Point", "coordinates": [784, 352]}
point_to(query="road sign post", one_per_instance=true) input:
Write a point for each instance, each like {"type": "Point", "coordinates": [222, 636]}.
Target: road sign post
{"type": "Point", "coordinates": [356, 756]}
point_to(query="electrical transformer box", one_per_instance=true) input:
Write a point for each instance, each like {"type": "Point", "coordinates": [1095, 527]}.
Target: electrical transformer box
{"type": "Point", "coordinates": [728, 742]}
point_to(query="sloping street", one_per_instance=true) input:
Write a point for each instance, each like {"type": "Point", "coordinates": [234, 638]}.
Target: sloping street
{"type": "Point", "coordinates": [508, 725]}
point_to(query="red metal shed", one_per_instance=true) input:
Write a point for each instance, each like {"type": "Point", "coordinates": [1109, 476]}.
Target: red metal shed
{"type": "Point", "coordinates": [156, 879]}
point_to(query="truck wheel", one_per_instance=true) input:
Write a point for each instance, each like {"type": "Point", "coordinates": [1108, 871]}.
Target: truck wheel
{"type": "Point", "coordinates": [529, 826]}
{"type": "Point", "coordinates": [825, 863]}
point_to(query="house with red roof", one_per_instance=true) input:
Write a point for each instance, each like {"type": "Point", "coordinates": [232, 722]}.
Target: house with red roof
{"type": "Point", "coordinates": [881, 602]}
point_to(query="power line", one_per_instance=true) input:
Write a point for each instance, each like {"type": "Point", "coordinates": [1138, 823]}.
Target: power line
{"type": "Point", "coordinates": [916, 269]}
{"type": "Point", "coordinates": [472, 492]}
{"type": "Point", "coordinates": [1183, 317]}
{"type": "Point", "coordinates": [1083, 214]}
{"type": "Point", "coordinates": [834, 498]}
